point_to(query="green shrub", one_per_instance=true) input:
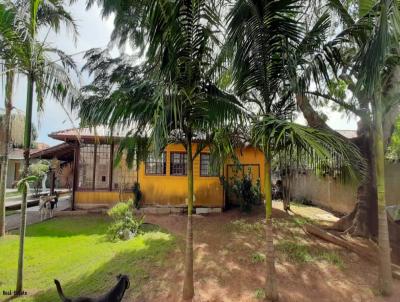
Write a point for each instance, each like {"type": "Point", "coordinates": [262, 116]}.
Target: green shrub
{"type": "Point", "coordinates": [244, 190]}
{"type": "Point", "coordinates": [39, 170]}
{"type": "Point", "coordinates": [125, 225]}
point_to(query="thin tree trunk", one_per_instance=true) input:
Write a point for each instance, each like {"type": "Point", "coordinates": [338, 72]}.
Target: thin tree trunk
{"type": "Point", "coordinates": [385, 272]}
{"type": "Point", "coordinates": [27, 146]}
{"type": "Point", "coordinates": [188, 287]}
{"type": "Point", "coordinates": [6, 142]}
{"type": "Point", "coordinates": [270, 288]}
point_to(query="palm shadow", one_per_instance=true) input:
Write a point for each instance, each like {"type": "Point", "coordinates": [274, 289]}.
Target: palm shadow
{"type": "Point", "coordinates": [136, 264]}
{"type": "Point", "coordinates": [69, 226]}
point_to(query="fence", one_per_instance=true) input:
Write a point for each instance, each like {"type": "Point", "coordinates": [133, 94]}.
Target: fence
{"type": "Point", "coordinates": [329, 193]}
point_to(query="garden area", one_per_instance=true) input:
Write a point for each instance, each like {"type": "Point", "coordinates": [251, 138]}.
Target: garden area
{"type": "Point", "coordinates": [179, 100]}
{"type": "Point", "coordinates": [76, 251]}
{"type": "Point", "coordinates": [229, 259]}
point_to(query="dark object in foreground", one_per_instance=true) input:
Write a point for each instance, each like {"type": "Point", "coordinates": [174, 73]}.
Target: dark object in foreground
{"type": "Point", "coordinates": [114, 295]}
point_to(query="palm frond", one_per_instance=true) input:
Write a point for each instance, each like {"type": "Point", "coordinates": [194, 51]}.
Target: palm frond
{"type": "Point", "coordinates": [372, 56]}
{"type": "Point", "coordinates": [275, 135]}
{"type": "Point", "coordinates": [133, 148]}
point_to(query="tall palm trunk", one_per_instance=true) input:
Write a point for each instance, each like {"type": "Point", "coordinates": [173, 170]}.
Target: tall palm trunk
{"type": "Point", "coordinates": [4, 160]}
{"type": "Point", "coordinates": [270, 289]}
{"type": "Point", "coordinates": [188, 287]}
{"type": "Point", "coordinates": [385, 273]}
{"type": "Point", "coordinates": [27, 146]}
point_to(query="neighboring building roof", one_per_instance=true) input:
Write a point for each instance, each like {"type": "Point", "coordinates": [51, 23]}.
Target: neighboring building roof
{"type": "Point", "coordinates": [41, 146]}
{"type": "Point", "coordinates": [102, 133]}
{"type": "Point", "coordinates": [62, 151]}
{"type": "Point", "coordinates": [76, 134]}
{"type": "Point", "coordinates": [18, 153]}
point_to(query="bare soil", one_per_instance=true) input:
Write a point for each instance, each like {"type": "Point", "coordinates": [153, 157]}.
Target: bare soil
{"type": "Point", "coordinates": [229, 265]}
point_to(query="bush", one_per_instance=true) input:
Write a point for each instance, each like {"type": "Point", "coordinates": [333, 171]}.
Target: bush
{"type": "Point", "coordinates": [125, 225]}
{"type": "Point", "coordinates": [247, 193]}
{"type": "Point", "coordinates": [39, 170]}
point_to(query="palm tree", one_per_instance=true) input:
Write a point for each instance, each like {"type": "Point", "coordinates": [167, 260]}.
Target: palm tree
{"type": "Point", "coordinates": [257, 33]}
{"type": "Point", "coordinates": [173, 93]}
{"type": "Point", "coordinates": [366, 56]}
{"type": "Point", "coordinates": [6, 121]}
{"type": "Point", "coordinates": [268, 43]}
{"type": "Point", "coordinates": [372, 60]}
{"type": "Point", "coordinates": [43, 74]}
{"type": "Point", "coordinates": [6, 20]}
{"type": "Point", "coordinates": [340, 78]}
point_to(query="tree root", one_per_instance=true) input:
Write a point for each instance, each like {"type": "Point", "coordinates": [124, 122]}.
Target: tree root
{"type": "Point", "coordinates": [353, 224]}
{"type": "Point", "coordinates": [371, 255]}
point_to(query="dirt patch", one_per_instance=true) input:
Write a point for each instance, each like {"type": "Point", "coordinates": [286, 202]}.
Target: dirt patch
{"type": "Point", "coordinates": [229, 262]}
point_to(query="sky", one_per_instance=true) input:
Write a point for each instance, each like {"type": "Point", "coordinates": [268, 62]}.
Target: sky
{"type": "Point", "coordinates": [95, 32]}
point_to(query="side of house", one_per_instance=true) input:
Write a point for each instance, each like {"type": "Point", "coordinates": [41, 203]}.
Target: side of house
{"type": "Point", "coordinates": [163, 180]}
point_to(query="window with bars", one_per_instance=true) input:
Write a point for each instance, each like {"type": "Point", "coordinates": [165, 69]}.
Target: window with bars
{"type": "Point", "coordinates": [94, 166]}
{"type": "Point", "coordinates": [205, 165]}
{"type": "Point", "coordinates": [102, 177]}
{"type": "Point", "coordinates": [178, 163]}
{"type": "Point", "coordinates": [86, 166]}
{"type": "Point", "coordinates": [156, 165]}
{"type": "Point", "coordinates": [124, 177]}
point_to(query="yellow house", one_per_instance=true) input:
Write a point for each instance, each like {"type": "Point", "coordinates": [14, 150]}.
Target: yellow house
{"type": "Point", "coordinates": [163, 180]}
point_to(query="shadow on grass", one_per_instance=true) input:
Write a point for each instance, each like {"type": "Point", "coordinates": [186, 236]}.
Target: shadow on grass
{"type": "Point", "coordinates": [136, 264]}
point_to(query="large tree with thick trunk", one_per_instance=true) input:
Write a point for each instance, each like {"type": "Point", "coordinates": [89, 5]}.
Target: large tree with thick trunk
{"type": "Point", "coordinates": [368, 65]}
{"type": "Point", "coordinates": [343, 75]}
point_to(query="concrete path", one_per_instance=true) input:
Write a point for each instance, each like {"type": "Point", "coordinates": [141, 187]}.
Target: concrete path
{"type": "Point", "coordinates": [14, 202]}
{"type": "Point", "coordinates": [33, 216]}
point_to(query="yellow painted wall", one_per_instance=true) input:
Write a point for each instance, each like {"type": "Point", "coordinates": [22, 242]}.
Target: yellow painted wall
{"type": "Point", "coordinates": [100, 197]}
{"type": "Point", "coordinates": [172, 190]}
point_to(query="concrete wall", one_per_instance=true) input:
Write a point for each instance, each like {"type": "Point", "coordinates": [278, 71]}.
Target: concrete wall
{"type": "Point", "coordinates": [331, 194]}
{"type": "Point", "coordinates": [392, 182]}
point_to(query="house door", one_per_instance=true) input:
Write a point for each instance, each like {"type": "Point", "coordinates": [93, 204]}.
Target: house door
{"type": "Point", "coordinates": [236, 173]}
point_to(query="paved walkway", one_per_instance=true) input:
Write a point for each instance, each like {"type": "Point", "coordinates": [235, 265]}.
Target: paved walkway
{"type": "Point", "coordinates": [14, 202]}
{"type": "Point", "coordinates": [32, 214]}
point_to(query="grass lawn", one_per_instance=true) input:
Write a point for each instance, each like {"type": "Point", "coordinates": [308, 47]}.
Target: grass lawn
{"type": "Point", "coordinates": [75, 251]}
